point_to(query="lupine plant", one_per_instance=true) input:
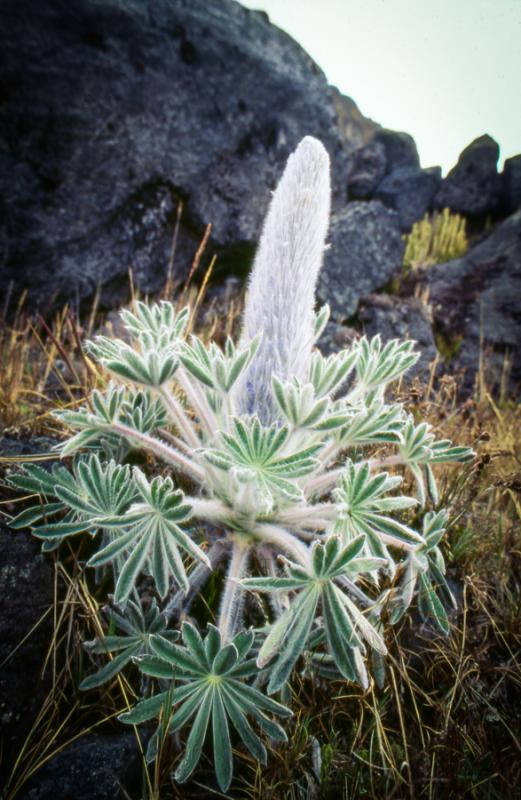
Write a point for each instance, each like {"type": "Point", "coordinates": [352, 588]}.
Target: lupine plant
{"type": "Point", "coordinates": [276, 464]}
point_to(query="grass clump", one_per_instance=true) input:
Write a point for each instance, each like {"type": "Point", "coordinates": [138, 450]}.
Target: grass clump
{"type": "Point", "coordinates": [435, 239]}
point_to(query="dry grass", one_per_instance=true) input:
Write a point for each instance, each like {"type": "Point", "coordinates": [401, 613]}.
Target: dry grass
{"type": "Point", "coordinates": [446, 725]}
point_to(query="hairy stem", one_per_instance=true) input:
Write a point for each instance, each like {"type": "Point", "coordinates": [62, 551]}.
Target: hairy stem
{"type": "Point", "coordinates": [232, 599]}
{"type": "Point", "coordinates": [317, 516]}
{"type": "Point", "coordinates": [267, 562]}
{"type": "Point", "coordinates": [197, 578]}
{"type": "Point", "coordinates": [357, 593]}
{"type": "Point", "coordinates": [197, 398]}
{"type": "Point", "coordinates": [160, 449]}
{"type": "Point", "coordinates": [178, 443]}
{"type": "Point", "coordinates": [179, 417]}
{"type": "Point", "coordinates": [319, 484]}
{"type": "Point", "coordinates": [284, 540]}
{"type": "Point", "coordinates": [211, 510]}
{"type": "Point", "coordinates": [386, 461]}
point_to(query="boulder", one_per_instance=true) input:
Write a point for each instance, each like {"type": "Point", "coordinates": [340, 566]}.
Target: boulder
{"type": "Point", "coordinates": [473, 186]}
{"type": "Point", "coordinates": [511, 180]}
{"type": "Point", "coordinates": [26, 622]}
{"type": "Point", "coordinates": [366, 250]}
{"type": "Point", "coordinates": [365, 169]}
{"type": "Point", "coordinates": [401, 318]}
{"type": "Point", "coordinates": [355, 129]}
{"type": "Point", "coordinates": [478, 297]}
{"type": "Point", "coordinates": [409, 191]}
{"type": "Point", "coordinates": [400, 148]}
{"type": "Point", "coordinates": [26, 598]}
{"type": "Point", "coordinates": [113, 114]}
{"type": "Point", "coordinates": [94, 766]}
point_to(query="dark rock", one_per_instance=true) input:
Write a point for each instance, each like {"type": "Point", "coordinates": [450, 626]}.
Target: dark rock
{"type": "Point", "coordinates": [355, 129]}
{"type": "Point", "coordinates": [11, 447]}
{"type": "Point", "coordinates": [479, 295]}
{"type": "Point", "coordinates": [409, 191]}
{"type": "Point", "coordinates": [336, 337]}
{"type": "Point", "coordinates": [94, 767]}
{"type": "Point", "coordinates": [112, 113]}
{"type": "Point", "coordinates": [473, 186]}
{"type": "Point", "coordinates": [511, 180]}
{"type": "Point", "coordinates": [26, 597]}
{"type": "Point", "coordinates": [366, 251]}
{"type": "Point", "coordinates": [400, 148]}
{"type": "Point", "coordinates": [26, 626]}
{"type": "Point", "coordinates": [365, 169]}
{"type": "Point", "coordinates": [434, 171]}
{"type": "Point", "coordinates": [401, 318]}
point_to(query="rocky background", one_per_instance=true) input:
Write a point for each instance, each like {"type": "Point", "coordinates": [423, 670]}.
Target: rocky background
{"type": "Point", "coordinates": [116, 117]}
{"type": "Point", "coordinates": [113, 112]}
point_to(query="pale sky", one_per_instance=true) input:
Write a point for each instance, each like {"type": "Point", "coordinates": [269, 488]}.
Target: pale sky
{"type": "Point", "coordinates": [445, 71]}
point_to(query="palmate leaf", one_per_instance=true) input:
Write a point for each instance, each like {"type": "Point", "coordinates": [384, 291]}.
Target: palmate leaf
{"type": "Point", "coordinates": [419, 449]}
{"type": "Point", "coordinates": [157, 331]}
{"type": "Point", "coordinates": [92, 490]}
{"type": "Point", "coordinates": [424, 572]}
{"type": "Point", "coordinates": [377, 364]}
{"type": "Point", "coordinates": [137, 626]}
{"type": "Point", "coordinates": [376, 423]}
{"type": "Point", "coordinates": [328, 374]}
{"type": "Point", "coordinates": [347, 629]}
{"type": "Point", "coordinates": [131, 407]}
{"type": "Point", "coordinates": [36, 480]}
{"type": "Point", "coordinates": [254, 453]}
{"type": "Point", "coordinates": [156, 364]}
{"type": "Point", "coordinates": [303, 409]}
{"type": "Point", "coordinates": [363, 508]}
{"type": "Point", "coordinates": [155, 320]}
{"type": "Point", "coordinates": [214, 368]}
{"type": "Point", "coordinates": [149, 536]}
{"type": "Point", "coordinates": [209, 687]}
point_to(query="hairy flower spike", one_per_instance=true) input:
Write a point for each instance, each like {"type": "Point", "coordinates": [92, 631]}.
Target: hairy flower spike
{"type": "Point", "coordinates": [281, 292]}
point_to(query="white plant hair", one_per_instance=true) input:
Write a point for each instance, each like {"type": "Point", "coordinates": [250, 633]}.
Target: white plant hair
{"type": "Point", "coordinates": [281, 292]}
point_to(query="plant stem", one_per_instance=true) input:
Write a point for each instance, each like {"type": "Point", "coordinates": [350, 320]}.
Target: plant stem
{"type": "Point", "coordinates": [179, 417]}
{"type": "Point", "coordinates": [267, 561]}
{"type": "Point", "coordinates": [353, 589]}
{"type": "Point", "coordinates": [284, 540]}
{"type": "Point", "coordinates": [199, 402]}
{"type": "Point", "coordinates": [178, 443]}
{"type": "Point", "coordinates": [197, 578]}
{"type": "Point", "coordinates": [314, 516]}
{"type": "Point", "coordinates": [211, 510]}
{"type": "Point", "coordinates": [320, 484]}
{"type": "Point", "coordinates": [232, 599]}
{"type": "Point", "coordinates": [386, 461]}
{"type": "Point", "coordinates": [161, 449]}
